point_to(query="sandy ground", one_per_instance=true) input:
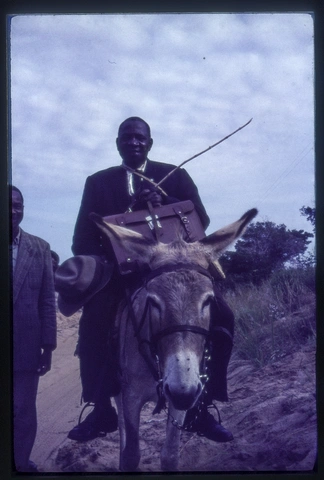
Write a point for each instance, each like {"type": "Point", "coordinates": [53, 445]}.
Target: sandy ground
{"type": "Point", "coordinates": [59, 395]}
{"type": "Point", "coordinates": [271, 412]}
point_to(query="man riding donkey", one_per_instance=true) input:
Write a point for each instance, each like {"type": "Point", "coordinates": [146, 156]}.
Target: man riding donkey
{"type": "Point", "coordinates": [100, 287]}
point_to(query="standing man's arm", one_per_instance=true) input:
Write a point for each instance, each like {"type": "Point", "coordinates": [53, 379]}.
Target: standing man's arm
{"type": "Point", "coordinates": [47, 313]}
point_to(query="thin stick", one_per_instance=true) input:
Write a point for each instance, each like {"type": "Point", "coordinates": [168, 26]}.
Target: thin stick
{"type": "Point", "coordinates": [197, 154]}
{"type": "Point", "coordinates": [157, 185]}
{"type": "Point", "coordinates": [135, 172]}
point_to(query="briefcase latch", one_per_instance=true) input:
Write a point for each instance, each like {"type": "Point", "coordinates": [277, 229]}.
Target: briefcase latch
{"type": "Point", "coordinates": [149, 220]}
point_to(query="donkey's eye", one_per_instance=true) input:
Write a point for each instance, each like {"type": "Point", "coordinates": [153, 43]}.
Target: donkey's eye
{"type": "Point", "coordinates": [154, 302]}
{"type": "Point", "coordinates": [155, 306]}
{"type": "Point", "coordinates": [205, 308]}
{"type": "Point", "coordinates": [207, 301]}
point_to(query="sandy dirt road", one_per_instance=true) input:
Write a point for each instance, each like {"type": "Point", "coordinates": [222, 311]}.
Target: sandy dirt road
{"type": "Point", "coordinates": [271, 412]}
{"type": "Point", "coordinates": [59, 394]}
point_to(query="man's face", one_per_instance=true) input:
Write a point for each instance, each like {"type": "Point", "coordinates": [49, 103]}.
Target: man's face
{"type": "Point", "coordinates": [17, 211]}
{"type": "Point", "coordinates": [134, 143]}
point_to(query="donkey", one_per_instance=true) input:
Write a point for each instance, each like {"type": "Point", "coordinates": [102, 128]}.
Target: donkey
{"type": "Point", "coordinates": [163, 326]}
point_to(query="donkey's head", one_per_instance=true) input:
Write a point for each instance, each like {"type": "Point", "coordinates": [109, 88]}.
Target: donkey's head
{"type": "Point", "coordinates": [179, 293]}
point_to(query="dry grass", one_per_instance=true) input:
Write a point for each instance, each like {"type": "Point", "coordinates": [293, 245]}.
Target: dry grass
{"type": "Point", "coordinates": [275, 318]}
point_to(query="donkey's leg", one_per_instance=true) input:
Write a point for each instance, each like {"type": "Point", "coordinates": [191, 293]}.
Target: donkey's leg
{"type": "Point", "coordinates": [130, 454]}
{"type": "Point", "coordinates": [171, 447]}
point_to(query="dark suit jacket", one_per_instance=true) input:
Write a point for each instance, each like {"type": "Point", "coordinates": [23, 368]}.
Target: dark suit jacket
{"type": "Point", "coordinates": [34, 311]}
{"type": "Point", "coordinates": [106, 193]}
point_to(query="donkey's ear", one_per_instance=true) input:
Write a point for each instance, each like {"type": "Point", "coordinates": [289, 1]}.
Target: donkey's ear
{"type": "Point", "coordinates": [220, 240]}
{"type": "Point", "coordinates": [132, 242]}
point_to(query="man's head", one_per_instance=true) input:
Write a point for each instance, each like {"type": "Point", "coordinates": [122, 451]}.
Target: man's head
{"type": "Point", "coordinates": [17, 209]}
{"type": "Point", "coordinates": [134, 141]}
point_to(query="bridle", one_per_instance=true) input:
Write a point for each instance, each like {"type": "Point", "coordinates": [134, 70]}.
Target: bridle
{"type": "Point", "coordinates": [148, 347]}
{"type": "Point", "coordinates": [178, 328]}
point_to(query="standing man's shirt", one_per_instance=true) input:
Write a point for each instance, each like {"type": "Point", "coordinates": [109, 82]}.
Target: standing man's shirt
{"type": "Point", "coordinates": [14, 250]}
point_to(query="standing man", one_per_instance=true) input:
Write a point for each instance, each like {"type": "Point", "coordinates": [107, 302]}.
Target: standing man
{"type": "Point", "coordinates": [34, 329]}
{"type": "Point", "coordinates": [108, 192]}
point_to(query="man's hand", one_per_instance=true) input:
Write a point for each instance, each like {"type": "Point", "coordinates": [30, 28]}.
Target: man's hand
{"type": "Point", "coordinates": [45, 361]}
{"type": "Point", "coordinates": [148, 195]}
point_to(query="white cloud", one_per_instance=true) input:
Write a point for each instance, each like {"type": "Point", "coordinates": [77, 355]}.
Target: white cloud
{"type": "Point", "coordinates": [194, 78]}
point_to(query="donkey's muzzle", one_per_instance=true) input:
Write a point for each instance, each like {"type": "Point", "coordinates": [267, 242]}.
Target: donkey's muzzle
{"type": "Point", "coordinates": [182, 398]}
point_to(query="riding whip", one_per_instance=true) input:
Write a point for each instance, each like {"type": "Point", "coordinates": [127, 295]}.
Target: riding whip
{"type": "Point", "coordinates": [200, 153]}
{"type": "Point", "coordinates": [158, 185]}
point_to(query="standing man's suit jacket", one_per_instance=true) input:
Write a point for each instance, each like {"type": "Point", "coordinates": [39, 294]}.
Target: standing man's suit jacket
{"type": "Point", "coordinates": [106, 193]}
{"type": "Point", "coordinates": [34, 312]}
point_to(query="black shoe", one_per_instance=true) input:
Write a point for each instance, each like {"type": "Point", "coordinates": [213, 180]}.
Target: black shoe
{"type": "Point", "coordinates": [205, 425]}
{"type": "Point", "coordinates": [94, 426]}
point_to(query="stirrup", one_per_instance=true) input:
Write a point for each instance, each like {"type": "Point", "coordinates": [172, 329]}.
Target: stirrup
{"type": "Point", "coordinates": [218, 414]}
{"type": "Point", "coordinates": [88, 404]}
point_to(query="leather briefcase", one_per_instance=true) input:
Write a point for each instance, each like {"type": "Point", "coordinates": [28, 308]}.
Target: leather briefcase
{"type": "Point", "coordinates": [165, 227]}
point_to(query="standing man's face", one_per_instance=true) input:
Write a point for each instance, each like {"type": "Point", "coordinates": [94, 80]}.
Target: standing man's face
{"type": "Point", "coordinates": [17, 212]}
{"type": "Point", "coordinates": [133, 143]}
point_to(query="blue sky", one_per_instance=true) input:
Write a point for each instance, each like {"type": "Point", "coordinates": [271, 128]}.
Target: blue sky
{"type": "Point", "coordinates": [194, 78]}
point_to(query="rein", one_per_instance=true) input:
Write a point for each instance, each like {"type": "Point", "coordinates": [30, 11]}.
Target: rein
{"type": "Point", "coordinates": [174, 328]}
{"type": "Point", "coordinates": [148, 347]}
{"type": "Point", "coordinates": [177, 328]}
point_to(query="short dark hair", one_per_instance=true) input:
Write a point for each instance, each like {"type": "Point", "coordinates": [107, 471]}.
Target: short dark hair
{"type": "Point", "coordinates": [134, 119]}
{"type": "Point", "coordinates": [15, 189]}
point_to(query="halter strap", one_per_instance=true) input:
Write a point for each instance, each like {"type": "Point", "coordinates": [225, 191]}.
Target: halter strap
{"type": "Point", "coordinates": [179, 328]}
{"type": "Point", "coordinates": [145, 345]}
{"type": "Point", "coordinates": [173, 328]}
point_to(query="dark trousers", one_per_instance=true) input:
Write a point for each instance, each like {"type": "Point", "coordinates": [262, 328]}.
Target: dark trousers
{"type": "Point", "coordinates": [25, 385]}
{"type": "Point", "coordinates": [98, 357]}
{"type": "Point", "coordinates": [97, 346]}
{"type": "Point", "coordinates": [221, 348]}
